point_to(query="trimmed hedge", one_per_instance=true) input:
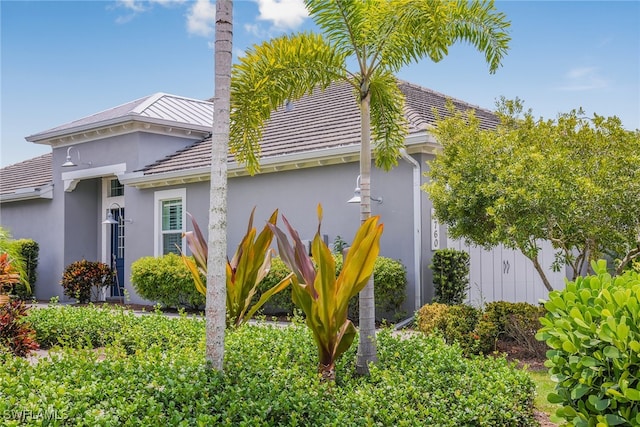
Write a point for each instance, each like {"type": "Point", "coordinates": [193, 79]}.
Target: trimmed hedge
{"type": "Point", "coordinates": [28, 251]}
{"type": "Point", "coordinates": [166, 280]}
{"type": "Point", "coordinates": [165, 380]}
{"type": "Point", "coordinates": [450, 268]}
{"type": "Point", "coordinates": [593, 329]}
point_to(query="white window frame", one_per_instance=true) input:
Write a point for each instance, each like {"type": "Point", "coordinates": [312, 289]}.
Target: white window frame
{"type": "Point", "coordinates": [158, 198]}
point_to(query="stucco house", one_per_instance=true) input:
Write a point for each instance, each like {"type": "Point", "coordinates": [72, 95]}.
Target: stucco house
{"type": "Point", "coordinates": [146, 163]}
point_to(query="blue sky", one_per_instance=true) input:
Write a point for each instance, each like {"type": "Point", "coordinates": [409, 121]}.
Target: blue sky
{"type": "Point", "coordinates": [61, 61]}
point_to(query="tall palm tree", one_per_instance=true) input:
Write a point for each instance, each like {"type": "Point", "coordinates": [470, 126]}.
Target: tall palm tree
{"type": "Point", "coordinates": [217, 239]}
{"type": "Point", "coordinates": [380, 36]}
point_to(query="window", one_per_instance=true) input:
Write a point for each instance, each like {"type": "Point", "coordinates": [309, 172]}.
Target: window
{"type": "Point", "coordinates": [170, 221]}
{"type": "Point", "coordinates": [171, 226]}
{"type": "Point", "coordinates": [115, 188]}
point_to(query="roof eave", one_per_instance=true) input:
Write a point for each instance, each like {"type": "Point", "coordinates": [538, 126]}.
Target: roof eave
{"type": "Point", "coordinates": [44, 192]}
{"type": "Point", "coordinates": [111, 126]}
{"type": "Point", "coordinates": [420, 142]}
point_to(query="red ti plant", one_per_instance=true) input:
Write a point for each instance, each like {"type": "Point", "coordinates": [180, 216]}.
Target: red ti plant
{"type": "Point", "coordinates": [9, 274]}
{"type": "Point", "coordinates": [249, 265]}
{"type": "Point", "coordinates": [323, 297]}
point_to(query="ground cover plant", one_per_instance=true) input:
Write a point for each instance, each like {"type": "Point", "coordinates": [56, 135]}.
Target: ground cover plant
{"type": "Point", "coordinates": [153, 372]}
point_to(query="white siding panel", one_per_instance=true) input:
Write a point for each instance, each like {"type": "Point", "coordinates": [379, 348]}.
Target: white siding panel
{"type": "Point", "coordinates": [503, 274]}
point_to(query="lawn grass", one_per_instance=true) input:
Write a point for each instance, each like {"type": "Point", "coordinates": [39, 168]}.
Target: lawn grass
{"type": "Point", "coordinates": [544, 386]}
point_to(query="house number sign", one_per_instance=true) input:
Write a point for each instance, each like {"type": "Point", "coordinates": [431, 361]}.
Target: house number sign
{"type": "Point", "coordinates": [435, 231]}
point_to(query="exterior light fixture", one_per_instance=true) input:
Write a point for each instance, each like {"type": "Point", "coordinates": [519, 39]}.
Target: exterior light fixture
{"type": "Point", "coordinates": [110, 219]}
{"type": "Point", "coordinates": [68, 163]}
{"type": "Point", "coordinates": [356, 194]}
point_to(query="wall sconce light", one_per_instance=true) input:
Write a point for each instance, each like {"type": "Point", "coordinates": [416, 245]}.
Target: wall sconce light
{"type": "Point", "coordinates": [356, 194]}
{"type": "Point", "coordinates": [69, 163]}
{"type": "Point", "coordinates": [110, 219]}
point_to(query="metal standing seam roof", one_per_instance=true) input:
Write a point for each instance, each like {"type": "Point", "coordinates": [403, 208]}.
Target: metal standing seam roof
{"type": "Point", "coordinates": [324, 119]}
{"type": "Point", "coordinates": [159, 106]}
{"type": "Point", "coordinates": [30, 174]}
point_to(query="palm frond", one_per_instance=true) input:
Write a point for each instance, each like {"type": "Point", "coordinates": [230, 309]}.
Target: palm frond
{"type": "Point", "coordinates": [388, 122]}
{"type": "Point", "coordinates": [282, 69]}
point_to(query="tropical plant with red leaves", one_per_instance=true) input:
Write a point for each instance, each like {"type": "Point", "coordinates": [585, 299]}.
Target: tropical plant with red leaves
{"type": "Point", "coordinates": [16, 336]}
{"type": "Point", "coordinates": [249, 265]}
{"type": "Point", "coordinates": [323, 297]}
{"type": "Point", "coordinates": [9, 275]}
{"type": "Point", "coordinates": [82, 279]}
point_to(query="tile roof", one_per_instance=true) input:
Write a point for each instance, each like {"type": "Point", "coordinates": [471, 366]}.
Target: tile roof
{"type": "Point", "coordinates": [32, 173]}
{"type": "Point", "coordinates": [160, 106]}
{"type": "Point", "coordinates": [322, 120]}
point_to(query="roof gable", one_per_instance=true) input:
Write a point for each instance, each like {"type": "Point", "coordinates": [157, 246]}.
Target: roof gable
{"type": "Point", "coordinates": [157, 108]}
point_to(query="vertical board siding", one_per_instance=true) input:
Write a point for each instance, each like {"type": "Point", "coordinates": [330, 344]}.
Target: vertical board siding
{"type": "Point", "coordinates": [503, 274]}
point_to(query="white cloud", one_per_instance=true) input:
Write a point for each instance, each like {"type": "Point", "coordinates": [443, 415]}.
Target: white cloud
{"type": "Point", "coordinates": [284, 14]}
{"type": "Point", "coordinates": [138, 6]}
{"type": "Point", "coordinates": [582, 79]}
{"type": "Point", "coordinates": [200, 15]}
{"type": "Point", "coordinates": [133, 5]}
{"type": "Point", "coordinates": [254, 30]}
{"type": "Point", "coordinates": [201, 18]}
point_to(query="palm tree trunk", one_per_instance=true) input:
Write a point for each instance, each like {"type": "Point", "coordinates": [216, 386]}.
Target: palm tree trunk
{"type": "Point", "coordinates": [217, 240]}
{"type": "Point", "coordinates": [367, 323]}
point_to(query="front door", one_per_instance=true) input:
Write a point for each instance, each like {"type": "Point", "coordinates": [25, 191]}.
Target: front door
{"type": "Point", "coordinates": [117, 251]}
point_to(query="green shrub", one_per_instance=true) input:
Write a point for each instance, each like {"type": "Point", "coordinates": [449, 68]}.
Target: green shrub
{"type": "Point", "coordinates": [390, 284]}
{"type": "Point", "coordinates": [27, 251]}
{"type": "Point", "coordinates": [167, 280]}
{"type": "Point", "coordinates": [418, 381]}
{"type": "Point", "coordinates": [450, 269]}
{"type": "Point", "coordinates": [83, 279]}
{"type": "Point", "coordinates": [518, 322]}
{"type": "Point", "coordinates": [593, 330]}
{"type": "Point", "coordinates": [429, 316]}
{"type": "Point", "coordinates": [16, 336]}
{"type": "Point", "coordinates": [463, 324]}
{"type": "Point", "coordinates": [281, 302]}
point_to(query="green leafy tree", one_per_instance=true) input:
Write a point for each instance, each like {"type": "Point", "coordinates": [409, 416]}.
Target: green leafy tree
{"type": "Point", "coordinates": [380, 37]}
{"type": "Point", "coordinates": [574, 181]}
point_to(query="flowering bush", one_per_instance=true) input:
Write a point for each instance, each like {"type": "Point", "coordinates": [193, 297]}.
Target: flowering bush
{"type": "Point", "coordinates": [83, 279]}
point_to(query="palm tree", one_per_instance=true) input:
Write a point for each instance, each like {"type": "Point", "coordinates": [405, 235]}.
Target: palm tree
{"type": "Point", "coordinates": [217, 239]}
{"type": "Point", "coordinates": [380, 36]}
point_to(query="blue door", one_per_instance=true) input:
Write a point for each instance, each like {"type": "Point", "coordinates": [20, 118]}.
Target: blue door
{"type": "Point", "coordinates": [117, 251]}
